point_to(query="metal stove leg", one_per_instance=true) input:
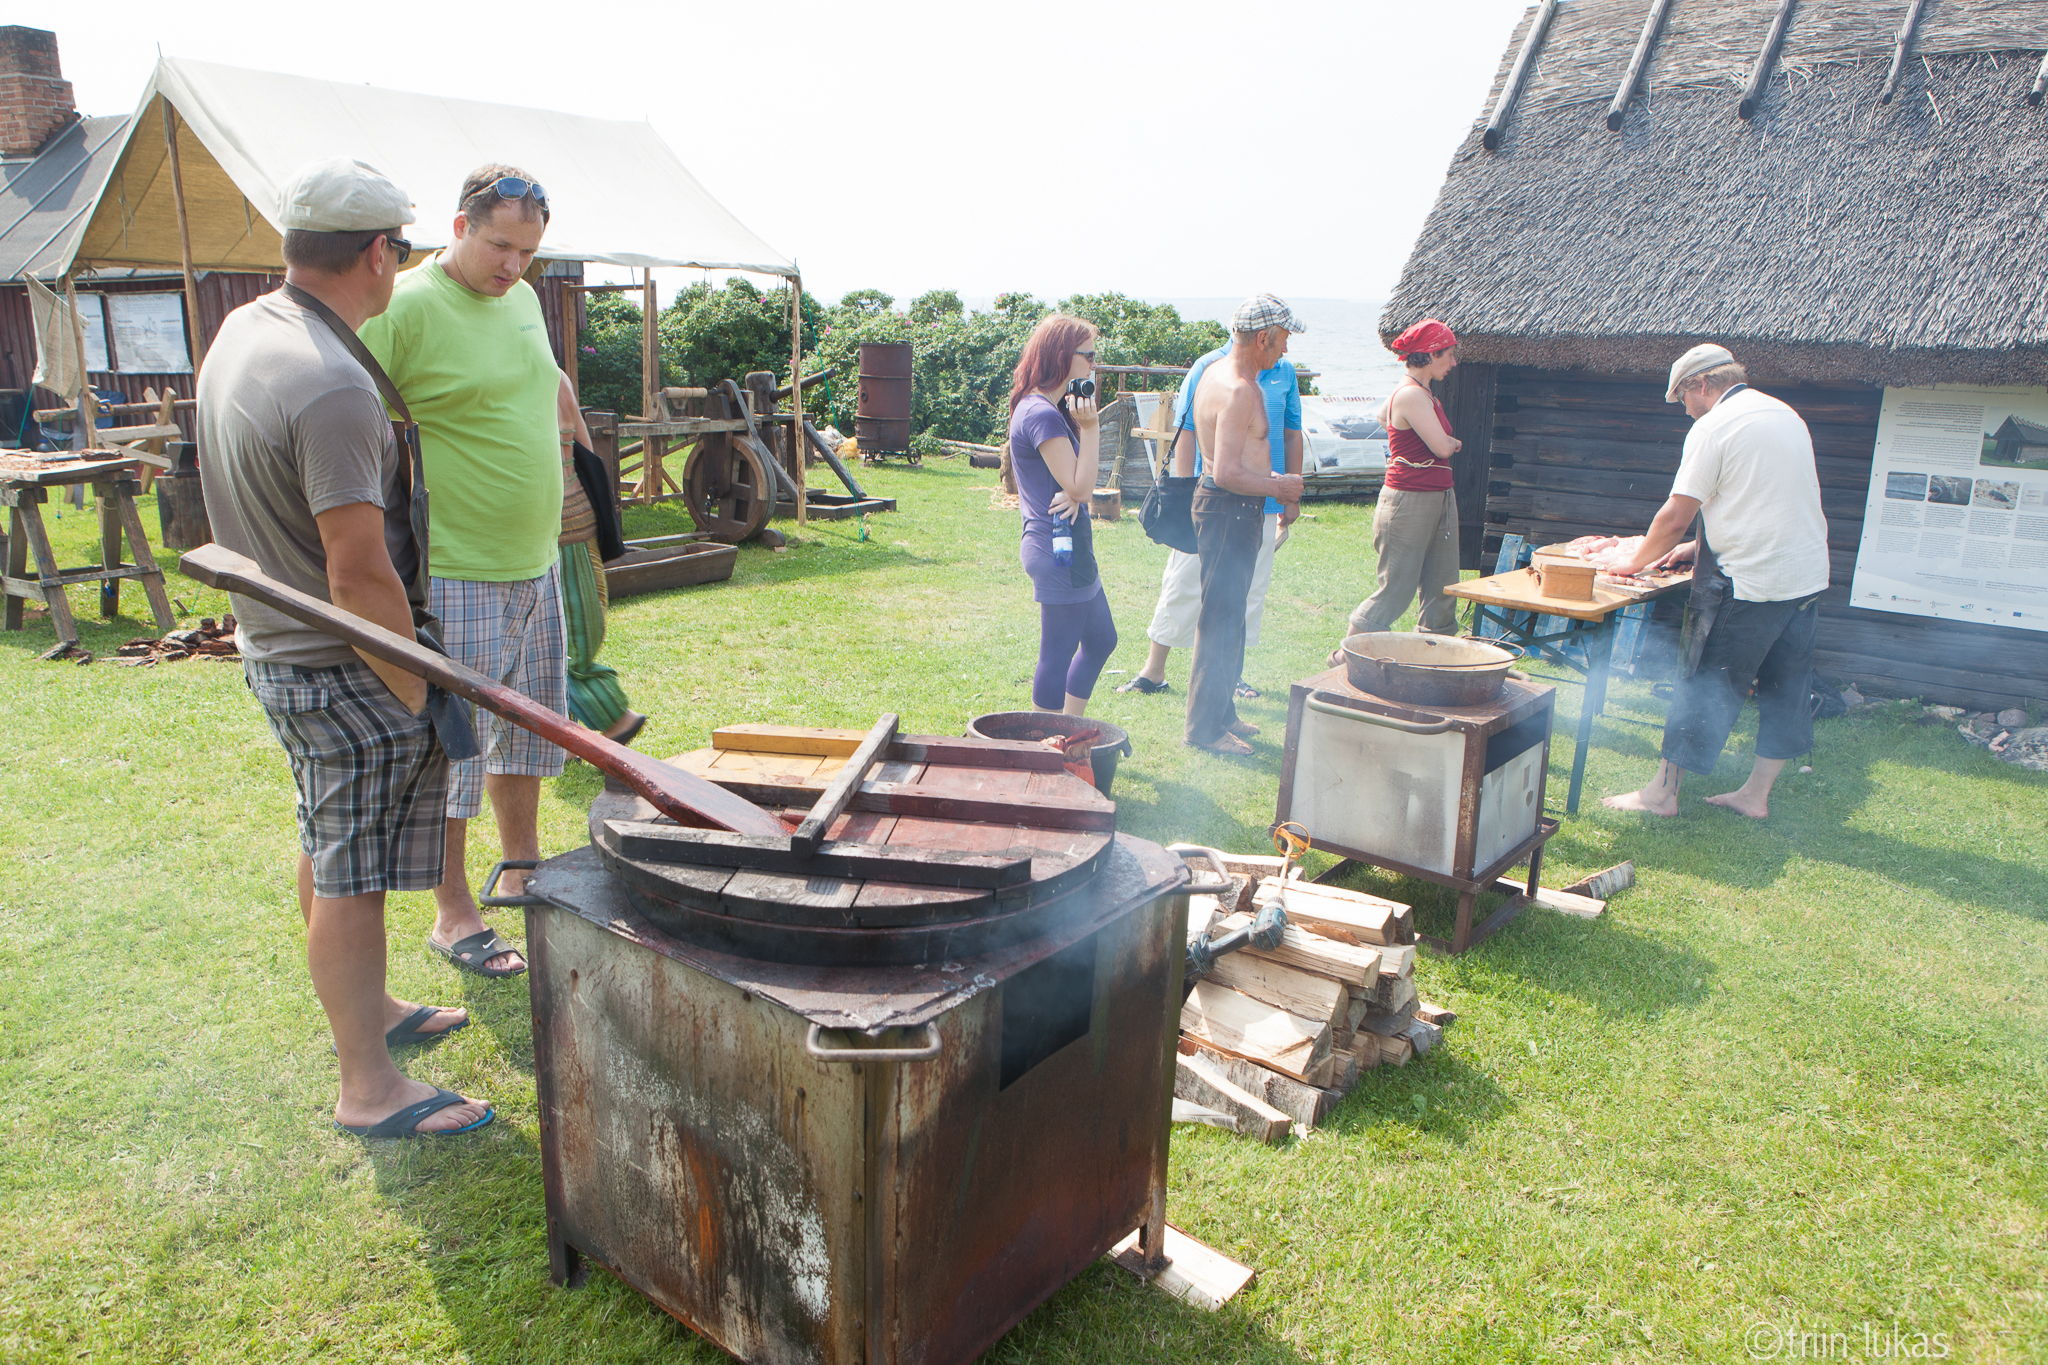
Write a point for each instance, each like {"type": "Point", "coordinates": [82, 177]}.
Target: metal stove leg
{"type": "Point", "coordinates": [566, 1266]}
{"type": "Point", "coordinates": [1461, 934]}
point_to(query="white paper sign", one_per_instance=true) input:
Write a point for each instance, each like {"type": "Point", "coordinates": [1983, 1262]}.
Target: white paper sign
{"type": "Point", "coordinates": [92, 312]}
{"type": "Point", "coordinates": [1957, 520]}
{"type": "Point", "coordinates": [149, 333]}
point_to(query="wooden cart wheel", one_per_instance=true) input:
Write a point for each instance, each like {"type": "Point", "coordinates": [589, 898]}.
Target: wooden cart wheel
{"type": "Point", "coordinates": [729, 494]}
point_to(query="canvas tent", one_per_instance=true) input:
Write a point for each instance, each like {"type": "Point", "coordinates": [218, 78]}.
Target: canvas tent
{"type": "Point", "coordinates": [617, 193]}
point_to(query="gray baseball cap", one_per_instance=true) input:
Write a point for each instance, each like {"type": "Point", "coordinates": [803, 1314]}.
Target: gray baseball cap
{"type": "Point", "coordinates": [1261, 311]}
{"type": "Point", "coordinates": [342, 194]}
{"type": "Point", "coordinates": [1698, 360]}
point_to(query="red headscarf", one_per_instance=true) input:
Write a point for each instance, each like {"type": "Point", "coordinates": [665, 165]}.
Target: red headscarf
{"type": "Point", "coordinates": [1426, 337]}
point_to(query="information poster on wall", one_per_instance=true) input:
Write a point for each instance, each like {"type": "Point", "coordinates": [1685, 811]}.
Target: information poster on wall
{"type": "Point", "coordinates": [1957, 521]}
{"type": "Point", "coordinates": [149, 333]}
{"type": "Point", "coordinates": [92, 312]}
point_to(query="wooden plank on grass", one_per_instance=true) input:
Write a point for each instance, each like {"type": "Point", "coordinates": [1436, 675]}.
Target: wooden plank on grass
{"type": "Point", "coordinates": [1200, 1080]}
{"type": "Point", "coordinates": [1564, 902]}
{"type": "Point", "coordinates": [1194, 1274]}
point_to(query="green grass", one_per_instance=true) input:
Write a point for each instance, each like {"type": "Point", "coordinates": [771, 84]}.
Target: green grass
{"type": "Point", "coordinates": [1793, 1077]}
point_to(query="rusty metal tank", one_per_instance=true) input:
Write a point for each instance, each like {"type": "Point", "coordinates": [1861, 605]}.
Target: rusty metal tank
{"type": "Point", "coordinates": [881, 422]}
{"type": "Point", "coordinates": [883, 1154]}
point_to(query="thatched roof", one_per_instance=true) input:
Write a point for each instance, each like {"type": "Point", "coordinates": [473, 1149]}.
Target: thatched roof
{"type": "Point", "coordinates": [1830, 237]}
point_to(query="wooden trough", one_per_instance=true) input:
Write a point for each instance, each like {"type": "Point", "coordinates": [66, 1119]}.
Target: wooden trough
{"type": "Point", "coordinates": [658, 566]}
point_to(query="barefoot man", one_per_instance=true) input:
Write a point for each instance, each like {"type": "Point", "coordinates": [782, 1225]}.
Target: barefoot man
{"type": "Point", "coordinates": [1748, 474]}
{"type": "Point", "coordinates": [1232, 429]}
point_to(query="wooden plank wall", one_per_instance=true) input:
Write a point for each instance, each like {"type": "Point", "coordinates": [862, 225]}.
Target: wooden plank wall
{"type": "Point", "coordinates": [1468, 395]}
{"type": "Point", "coordinates": [1576, 453]}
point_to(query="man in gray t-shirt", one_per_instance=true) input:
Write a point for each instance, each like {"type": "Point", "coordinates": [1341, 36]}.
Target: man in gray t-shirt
{"type": "Point", "coordinates": [303, 476]}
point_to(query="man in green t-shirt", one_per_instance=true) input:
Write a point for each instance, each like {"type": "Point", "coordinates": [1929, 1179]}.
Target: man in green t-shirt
{"type": "Point", "coordinates": [465, 342]}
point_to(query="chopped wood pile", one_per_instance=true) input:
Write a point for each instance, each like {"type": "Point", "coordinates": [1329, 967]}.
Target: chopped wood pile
{"type": "Point", "coordinates": [210, 640]}
{"type": "Point", "coordinates": [1274, 1038]}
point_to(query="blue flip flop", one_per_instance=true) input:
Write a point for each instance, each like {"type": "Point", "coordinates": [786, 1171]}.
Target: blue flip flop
{"type": "Point", "coordinates": [400, 1124]}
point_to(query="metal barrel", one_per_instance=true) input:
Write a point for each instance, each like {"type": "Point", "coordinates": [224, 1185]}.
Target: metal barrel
{"type": "Point", "coordinates": [881, 419]}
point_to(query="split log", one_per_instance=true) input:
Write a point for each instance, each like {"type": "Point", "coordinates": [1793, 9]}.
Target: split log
{"type": "Point", "coordinates": [1397, 959]}
{"type": "Point", "coordinates": [1389, 995]}
{"type": "Point", "coordinates": [1243, 1027]}
{"type": "Point", "coordinates": [1284, 987]}
{"type": "Point", "coordinates": [1347, 962]}
{"type": "Point", "coordinates": [1435, 1014]}
{"type": "Point", "coordinates": [1345, 1076]}
{"type": "Point", "coordinates": [1351, 916]}
{"type": "Point", "coordinates": [1199, 1079]}
{"type": "Point", "coordinates": [1305, 1104]}
{"type": "Point", "coordinates": [1396, 1051]}
{"type": "Point", "coordinates": [1564, 902]}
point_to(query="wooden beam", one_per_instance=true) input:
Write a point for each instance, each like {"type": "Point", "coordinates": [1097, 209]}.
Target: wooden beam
{"type": "Point", "coordinates": [650, 349]}
{"type": "Point", "coordinates": [1760, 74]}
{"type": "Point", "coordinates": [654, 843]}
{"type": "Point", "coordinates": [1899, 51]}
{"type": "Point", "coordinates": [1634, 75]}
{"type": "Point", "coordinates": [832, 801]}
{"type": "Point", "coordinates": [796, 397]}
{"type": "Point", "coordinates": [197, 336]}
{"type": "Point", "coordinates": [1509, 93]}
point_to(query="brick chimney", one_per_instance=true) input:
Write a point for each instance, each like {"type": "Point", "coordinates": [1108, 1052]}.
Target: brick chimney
{"type": "Point", "coordinates": [35, 99]}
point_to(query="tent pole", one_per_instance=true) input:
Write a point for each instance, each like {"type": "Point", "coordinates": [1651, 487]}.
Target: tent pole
{"type": "Point", "coordinates": [796, 397]}
{"type": "Point", "coordinates": [198, 333]}
{"type": "Point", "coordinates": [650, 349]}
{"type": "Point", "coordinates": [88, 407]}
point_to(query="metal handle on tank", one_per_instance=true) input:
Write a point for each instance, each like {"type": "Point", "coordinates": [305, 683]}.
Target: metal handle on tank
{"type": "Point", "coordinates": [872, 1054]}
{"type": "Point", "coordinates": [505, 865]}
{"type": "Point", "coordinates": [1388, 722]}
{"type": "Point", "coordinates": [1221, 886]}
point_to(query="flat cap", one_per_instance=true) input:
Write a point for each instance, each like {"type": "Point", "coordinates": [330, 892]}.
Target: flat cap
{"type": "Point", "coordinates": [1261, 311]}
{"type": "Point", "coordinates": [341, 194]}
{"type": "Point", "coordinates": [1698, 360]}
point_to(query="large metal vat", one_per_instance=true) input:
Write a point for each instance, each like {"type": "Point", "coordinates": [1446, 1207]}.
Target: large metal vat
{"type": "Point", "coordinates": [881, 422]}
{"type": "Point", "coordinates": [892, 1162]}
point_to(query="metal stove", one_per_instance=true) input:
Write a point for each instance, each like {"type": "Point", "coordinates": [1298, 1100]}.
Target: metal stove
{"type": "Point", "coordinates": [1449, 794]}
{"type": "Point", "coordinates": [828, 1118]}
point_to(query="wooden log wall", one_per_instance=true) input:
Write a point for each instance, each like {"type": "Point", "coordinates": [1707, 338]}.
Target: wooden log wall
{"type": "Point", "coordinates": [1468, 398]}
{"type": "Point", "coordinates": [1576, 453]}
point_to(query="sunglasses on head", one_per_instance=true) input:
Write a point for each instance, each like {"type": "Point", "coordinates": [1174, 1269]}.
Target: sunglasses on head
{"type": "Point", "coordinates": [399, 245]}
{"type": "Point", "coordinates": [510, 188]}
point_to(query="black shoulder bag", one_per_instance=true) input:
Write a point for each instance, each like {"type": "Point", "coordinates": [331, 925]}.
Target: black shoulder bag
{"type": "Point", "coordinates": [451, 714]}
{"type": "Point", "coordinates": [1168, 512]}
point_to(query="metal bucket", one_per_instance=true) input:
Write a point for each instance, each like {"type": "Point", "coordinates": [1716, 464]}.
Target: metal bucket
{"type": "Point", "coordinates": [1038, 725]}
{"type": "Point", "coordinates": [1428, 670]}
{"type": "Point", "coordinates": [881, 422]}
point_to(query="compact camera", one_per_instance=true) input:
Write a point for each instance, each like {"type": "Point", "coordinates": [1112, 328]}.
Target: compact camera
{"type": "Point", "coordinates": [1081, 388]}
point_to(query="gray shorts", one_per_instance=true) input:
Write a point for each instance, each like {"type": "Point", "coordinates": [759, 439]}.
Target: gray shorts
{"type": "Point", "coordinates": [512, 633]}
{"type": "Point", "coordinates": [372, 779]}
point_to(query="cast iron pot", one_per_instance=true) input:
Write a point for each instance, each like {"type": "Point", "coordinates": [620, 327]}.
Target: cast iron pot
{"type": "Point", "coordinates": [1427, 670]}
{"type": "Point", "coordinates": [1109, 746]}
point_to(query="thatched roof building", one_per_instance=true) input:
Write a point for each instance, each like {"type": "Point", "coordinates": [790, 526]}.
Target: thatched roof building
{"type": "Point", "coordinates": [1837, 242]}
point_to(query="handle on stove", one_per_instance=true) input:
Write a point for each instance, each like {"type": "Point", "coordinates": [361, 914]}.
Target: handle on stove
{"type": "Point", "coordinates": [489, 896]}
{"type": "Point", "coordinates": [817, 1049]}
{"type": "Point", "coordinates": [1373, 718]}
{"type": "Point", "coordinates": [1221, 886]}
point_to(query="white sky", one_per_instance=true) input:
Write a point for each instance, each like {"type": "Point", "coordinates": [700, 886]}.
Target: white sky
{"type": "Point", "coordinates": [1162, 150]}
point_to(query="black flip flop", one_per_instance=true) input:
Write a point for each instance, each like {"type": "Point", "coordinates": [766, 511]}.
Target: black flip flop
{"type": "Point", "coordinates": [470, 954]}
{"type": "Point", "coordinates": [400, 1124]}
{"type": "Point", "coordinates": [1145, 685]}
{"type": "Point", "coordinates": [627, 735]}
{"type": "Point", "coordinates": [1245, 691]}
{"type": "Point", "coordinates": [404, 1034]}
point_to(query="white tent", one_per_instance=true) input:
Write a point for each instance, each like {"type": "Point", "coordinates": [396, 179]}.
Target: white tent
{"type": "Point", "coordinates": [616, 191]}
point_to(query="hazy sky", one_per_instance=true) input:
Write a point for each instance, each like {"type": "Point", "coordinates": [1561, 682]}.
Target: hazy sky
{"type": "Point", "coordinates": [1187, 149]}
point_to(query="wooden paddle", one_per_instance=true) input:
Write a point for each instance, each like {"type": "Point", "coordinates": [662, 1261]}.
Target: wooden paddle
{"type": "Point", "coordinates": [684, 798]}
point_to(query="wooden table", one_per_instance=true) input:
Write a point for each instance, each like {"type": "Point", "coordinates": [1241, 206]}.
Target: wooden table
{"type": "Point", "coordinates": [1515, 602]}
{"type": "Point", "coordinates": [24, 487]}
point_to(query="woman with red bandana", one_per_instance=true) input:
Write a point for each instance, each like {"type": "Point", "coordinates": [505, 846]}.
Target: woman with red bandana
{"type": "Point", "coordinates": [1415, 527]}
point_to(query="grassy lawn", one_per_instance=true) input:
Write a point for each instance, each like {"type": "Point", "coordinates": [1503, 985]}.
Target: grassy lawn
{"type": "Point", "coordinates": [1792, 1080]}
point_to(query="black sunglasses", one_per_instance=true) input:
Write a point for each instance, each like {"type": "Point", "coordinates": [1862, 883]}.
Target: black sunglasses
{"type": "Point", "coordinates": [399, 245]}
{"type": "Point", "coordinates": [511, 188]}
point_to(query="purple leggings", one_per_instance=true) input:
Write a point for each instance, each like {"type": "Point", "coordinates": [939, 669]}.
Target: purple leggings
{"type": "Point", "coordinates": [1074, 641]}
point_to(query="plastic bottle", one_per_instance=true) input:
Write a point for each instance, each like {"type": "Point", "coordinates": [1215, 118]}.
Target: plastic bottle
{"type": "Point", "coordinates": [1063, 546]}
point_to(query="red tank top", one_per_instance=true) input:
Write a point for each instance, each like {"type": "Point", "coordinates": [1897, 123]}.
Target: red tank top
{"type": "Point", "coordinates": [1411, 465]}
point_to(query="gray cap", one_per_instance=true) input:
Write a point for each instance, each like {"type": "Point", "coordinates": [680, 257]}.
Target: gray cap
{"type": "Point", "coordinates": [1698, 360]}
{"type": "Point", "coordinates": [341, 194]}
{"type": "Point", "coordinates": [1261, 311]}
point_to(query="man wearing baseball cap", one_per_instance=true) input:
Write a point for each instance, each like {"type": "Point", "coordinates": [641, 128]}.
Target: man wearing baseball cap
{"type": "Point", "coordinates": [1747, 474]}
{"type": "Point", "coordinates": [1232, 431]}
{"type": "Point", "coordinates": [303, 475]}
{"type": "Point", "coordinates": [1180, 586]}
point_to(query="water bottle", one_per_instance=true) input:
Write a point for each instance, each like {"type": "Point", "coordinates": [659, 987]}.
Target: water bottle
{"type": "Point", "coordinates": [1063, 547]}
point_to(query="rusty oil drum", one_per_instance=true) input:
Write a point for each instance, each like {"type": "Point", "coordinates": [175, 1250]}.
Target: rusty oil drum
{"type": "Point", "coordinates": [881, 422]}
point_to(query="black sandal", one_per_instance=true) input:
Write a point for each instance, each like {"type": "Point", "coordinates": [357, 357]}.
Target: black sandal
{"type": "Point", "coordinates": [1145, 685]}
{"type": "Point", "coordinates": [470, 954]}
{"type": "Point", "coordinates": [400, 1124]}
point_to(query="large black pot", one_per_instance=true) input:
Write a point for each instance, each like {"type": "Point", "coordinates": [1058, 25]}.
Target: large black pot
{"type": "Point", "coordinates": [1038, 725]}
{"type": "Point", "coordinates": [1427, 670]}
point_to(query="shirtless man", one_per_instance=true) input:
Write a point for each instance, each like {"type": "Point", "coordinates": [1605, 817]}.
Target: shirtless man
{"type": "Point", "coordinates": [1230, 509]}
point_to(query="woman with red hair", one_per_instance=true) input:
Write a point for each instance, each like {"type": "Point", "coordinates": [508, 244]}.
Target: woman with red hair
{"type": "Point", "coordinates": [1054, 454]}
{"type": "Point", "coordinates": [1415, 526]}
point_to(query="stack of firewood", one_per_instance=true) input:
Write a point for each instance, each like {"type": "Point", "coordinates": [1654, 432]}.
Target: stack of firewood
{"type": "Point", "coordinates": [1275, 1038]}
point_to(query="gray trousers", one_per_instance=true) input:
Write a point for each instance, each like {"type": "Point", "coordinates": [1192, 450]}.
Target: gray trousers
{"type": "Point", "coordinates": [1415, 536]}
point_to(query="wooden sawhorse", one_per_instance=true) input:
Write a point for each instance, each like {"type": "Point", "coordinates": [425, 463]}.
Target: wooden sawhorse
{"type": "Point", "coordinates": [24, 491]}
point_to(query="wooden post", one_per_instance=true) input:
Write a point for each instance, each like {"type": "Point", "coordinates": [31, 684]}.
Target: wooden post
{"type": "Point", "coordinates": [1760, 74]}
{"type": "Point", "coordinates": [197, 336]}
{"type": "Point", "coordinates": [1505, 105]}
{"type": "Point", "coordinates": [1899, 50]}
{"type": "Point", "coordinates": [796, 399]}
{"type": "Point", "coordinates": [88, 406]}
{"type": "Point", "coordinates": [650, 350]}
{"type": "Point", "coordinates": [572, 312]}
{"type": "Point", "coordinates": [1634, 75]}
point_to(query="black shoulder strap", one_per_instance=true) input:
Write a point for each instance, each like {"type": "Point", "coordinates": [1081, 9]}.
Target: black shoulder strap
{"type": "Point", "coordinates": [354, 344]}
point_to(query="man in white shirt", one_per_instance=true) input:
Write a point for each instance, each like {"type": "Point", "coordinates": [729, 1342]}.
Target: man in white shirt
{"type": "Point", "coordinates": [1747, 473]}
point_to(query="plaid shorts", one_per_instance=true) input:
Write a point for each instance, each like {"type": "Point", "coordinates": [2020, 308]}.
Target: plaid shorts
{"type": "Point", "coordinates": [510, 632]}
{"type": "Point", "coordinates": [371, 777]}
